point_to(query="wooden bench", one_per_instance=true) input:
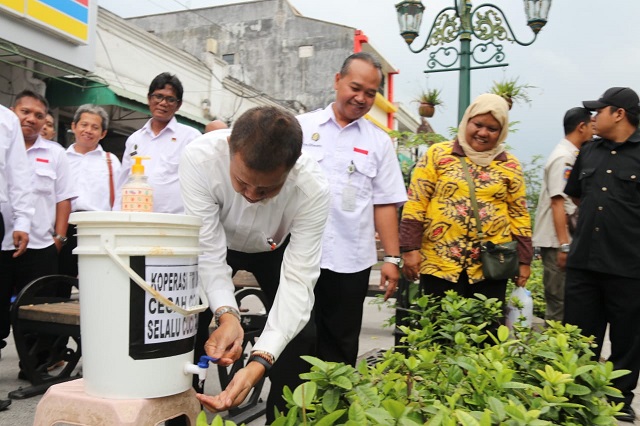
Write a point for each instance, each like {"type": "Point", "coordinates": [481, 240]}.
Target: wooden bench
{"type": "Point", "coordinates": [46, 323]}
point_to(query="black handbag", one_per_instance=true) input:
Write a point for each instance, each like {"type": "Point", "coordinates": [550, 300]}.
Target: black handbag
{"type": "Point", "coordinates": [499, 261]}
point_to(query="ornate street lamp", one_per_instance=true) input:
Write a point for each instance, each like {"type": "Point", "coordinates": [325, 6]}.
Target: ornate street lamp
{"type": "Point", "coordinates": [487, 23]}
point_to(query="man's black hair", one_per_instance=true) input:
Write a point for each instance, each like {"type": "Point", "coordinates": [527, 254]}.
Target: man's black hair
{"type": "Point", "coordinates": [574, 117]}
{"type": "Point", "coordinates": [162, 80]}
{"type": "Point", "coordinates": [268, 138]}
{"type": "Point", "coordinates": [34, 95]}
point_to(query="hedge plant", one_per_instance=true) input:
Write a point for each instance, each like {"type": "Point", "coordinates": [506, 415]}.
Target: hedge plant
{"type": "Point", "coordinates": [452, 370]}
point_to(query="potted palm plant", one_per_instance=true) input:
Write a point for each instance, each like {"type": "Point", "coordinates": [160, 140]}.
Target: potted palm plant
{"type": "Point", "coordinates": [428, 100]}
{"type": "Point", "coordinates": [511, 91]}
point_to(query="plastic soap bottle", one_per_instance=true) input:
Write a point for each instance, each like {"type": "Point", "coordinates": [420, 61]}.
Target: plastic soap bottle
{"type": "Point", "coordinates": [137, 194]}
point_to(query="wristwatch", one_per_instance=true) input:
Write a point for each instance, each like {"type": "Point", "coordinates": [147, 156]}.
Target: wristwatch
{"type": "Point", "coordinates": [225, 310]}
{"type": "Point", "coordinates": [396, 260]}
{"type": "Point", "coordinates": [61, 238]}
{"type": "Point", "coordinates": [564, 248]}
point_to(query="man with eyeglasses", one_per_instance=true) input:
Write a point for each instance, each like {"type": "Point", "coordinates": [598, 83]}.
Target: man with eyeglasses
{"type": "Point", "coordinates": [162, 139]}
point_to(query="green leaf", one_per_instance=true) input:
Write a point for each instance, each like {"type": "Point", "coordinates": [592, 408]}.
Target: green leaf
{"type": "Point", "coordinates": [330, 418]}
{"type": "Point", "coordinates": [217, 421]}
{"type": "Point", "coordinates": [497, 407]}
{"type": "Point", "coordinates": [357, 414]}
{"type": "Point", "coordinates": [379, 416]}
{"type": "Point", "coordinates": [304, 394]}
{"type": "Point", "coordinates": [315, 362]}
{"type": "Point", "coordinates": [395, 408]}
{"type": "Point", "coordinates": [503, 333]}
{"type": "Point", "coordinates": [575, 389]}
{"type": "Point", "coordinates": [330, 400]}
{"type": "Point", "coordinates": [466, 419]}
{"type": "Point", "coordinates": [342, 382]}
{"type": "Point", "coordinates": [201, 420]}
{"type": "Point", "coordinates": [313, 375]}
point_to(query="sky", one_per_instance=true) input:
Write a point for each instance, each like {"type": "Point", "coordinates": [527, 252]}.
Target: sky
{"type": "Point", "coordinates": [586, 47]}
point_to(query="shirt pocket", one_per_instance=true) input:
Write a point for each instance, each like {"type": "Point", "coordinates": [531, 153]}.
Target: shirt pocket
{"type": "Point", "coordinates": [44, 181]}
{"type": "Point", "coordinates": [586, 179]}
{"type": "Point", "coordinates": [363, 175]}
{"type": "Point", "coordinates": [167, 171]}
{"type": "Point", "coordinates": [626, 185]}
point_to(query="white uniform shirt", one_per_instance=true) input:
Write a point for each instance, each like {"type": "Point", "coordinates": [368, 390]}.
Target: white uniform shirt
{"type": "Point", "coordinates": [360, 156]}
{"type": "Point", "coordinates": [229, 221]}
{"type": "Point", "coordinates": [90, 174]}
{"type": "Point", "coordinates": [556, 172]}
{"type": "Point", "coordinates": [51, 183]}
{"type": "Point", "coordinates": [164, 150]}
{"type": "Point", "coordinates": [15, 179]}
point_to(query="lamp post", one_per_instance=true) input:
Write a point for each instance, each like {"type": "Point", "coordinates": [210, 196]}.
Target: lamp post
{"type": "Point", "coordinates": [487, 23]}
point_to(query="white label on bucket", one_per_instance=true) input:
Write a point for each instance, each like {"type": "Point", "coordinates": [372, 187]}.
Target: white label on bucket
{"type": "Point", "coordinates": [177, 279]}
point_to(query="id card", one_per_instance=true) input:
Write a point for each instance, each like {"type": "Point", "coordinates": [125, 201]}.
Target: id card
{"type": "Point", "coordinates": [349, 198]}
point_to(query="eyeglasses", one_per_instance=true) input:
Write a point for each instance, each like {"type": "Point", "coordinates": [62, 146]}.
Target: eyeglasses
{"type": "Point", "coordinates": [171, 100]}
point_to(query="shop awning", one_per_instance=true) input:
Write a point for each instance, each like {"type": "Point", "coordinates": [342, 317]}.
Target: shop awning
{"type": "Point", "coordinates": [61, 94]}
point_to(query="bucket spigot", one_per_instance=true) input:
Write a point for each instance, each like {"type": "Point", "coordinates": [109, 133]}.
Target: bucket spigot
{"type": "Point", "coordinates": [200, 369]}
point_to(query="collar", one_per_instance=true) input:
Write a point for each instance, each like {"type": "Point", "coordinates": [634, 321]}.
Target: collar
{"type": "Point", "coordinates": [457, 150]}
{"type": "Point", "coordinates": [566, 143]}
{"type": "Point", "coordinates": [331, 115]}
{"type": "Point", "coordinates": [634, 138]}
{"type": "Point", "coordinates": [171, 125]}
{"type": "Point", "coordinates": [72, 150]}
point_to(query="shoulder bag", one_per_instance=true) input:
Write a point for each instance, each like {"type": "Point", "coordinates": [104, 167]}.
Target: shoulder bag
{"type": "Point", "coordinates": [499, 261]}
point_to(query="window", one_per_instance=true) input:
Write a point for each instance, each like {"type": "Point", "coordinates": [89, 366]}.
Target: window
{"type": "Point", "coordinates": [229, 58]}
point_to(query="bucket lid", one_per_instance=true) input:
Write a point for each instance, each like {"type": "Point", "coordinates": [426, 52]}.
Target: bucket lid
{"type": "Point", "coordinates": [134, 217]}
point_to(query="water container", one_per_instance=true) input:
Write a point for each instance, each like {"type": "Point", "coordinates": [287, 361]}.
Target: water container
{"type": "Point", "coordinates": [132, 268]}
{"type": "Point", "coordinates": [514, 313]}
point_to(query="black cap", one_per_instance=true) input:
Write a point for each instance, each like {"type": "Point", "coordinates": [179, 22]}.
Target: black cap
{"type": "Point", "coordinates": [621, 97]}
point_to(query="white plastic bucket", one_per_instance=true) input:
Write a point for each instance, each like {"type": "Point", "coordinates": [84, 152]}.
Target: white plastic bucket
{"type": "Point", "coordinates": [132, 345]}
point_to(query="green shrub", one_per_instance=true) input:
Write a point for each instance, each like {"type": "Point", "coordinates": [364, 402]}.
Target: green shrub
{"type": "Point", "coordinates": [451, 371]}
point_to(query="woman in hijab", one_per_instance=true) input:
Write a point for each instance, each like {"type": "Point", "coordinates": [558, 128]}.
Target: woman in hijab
{"type": "Point", "coordinates": [438, 233]}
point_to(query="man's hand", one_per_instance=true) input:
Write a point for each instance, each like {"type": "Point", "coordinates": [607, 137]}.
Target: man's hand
{"type": "Point", "coordinates": [523, 275]}
{"type": "Point", "coordinates": [225, 342]}
{"type": "Point", "coordinates": [389, 273]}
{"type": "Point", "coordinates": [237, 390]}
{"type": "Point", "coordinates": [561, 260]}
{"type": "Point", "coordinates": [58, 244]}
{"type": "Point", "coordinates": [412, 260]}
{"type": "Point", "coordinates": [20, 241]}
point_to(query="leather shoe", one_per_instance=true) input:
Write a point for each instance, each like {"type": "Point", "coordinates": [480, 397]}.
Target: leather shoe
{"type": "Point", "coordinates": [626, 414]}
{"type": "Point", "coordinates": [4, 404]}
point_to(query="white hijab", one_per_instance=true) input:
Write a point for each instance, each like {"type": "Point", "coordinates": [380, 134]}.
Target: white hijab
{"type": "Point", "coordinates": [499, 109]}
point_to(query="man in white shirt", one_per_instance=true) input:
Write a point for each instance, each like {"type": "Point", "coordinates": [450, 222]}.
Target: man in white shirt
{"type": "Point", "coordinates": [93, 171]}
{"type": "Point", "coordinates": [367, 187]}
{"type": "Point", "coordinates": [15, 197]}
{"type": "Point", "coordinates": [264, 208]}
{"type": "Point", "coordinates": [162, 139]}
{"type": "Point", "coordinates": [551, 232]}
{"type": "Point", "coordinates": [52, 191]}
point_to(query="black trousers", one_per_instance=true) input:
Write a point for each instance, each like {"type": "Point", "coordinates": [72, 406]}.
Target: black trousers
{"type": "Point", "coordinates": [490, 288]}
{"type": "Point", "coordinates": [265, 267]}
{"type": "Point", "coordinates": [67, 261]}
{"type": "Point", "coordinates": [16, 273]}
{"type": "Point", "coordinates": [594, 300]}
{"type": "Point", "coordinates": [338, 314]}
{"type": "Point", "coordinates": [435, 286]}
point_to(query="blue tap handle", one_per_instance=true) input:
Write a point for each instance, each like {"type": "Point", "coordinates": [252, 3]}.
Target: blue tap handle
{"type": "Point", "coordinates": [204, 361]}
